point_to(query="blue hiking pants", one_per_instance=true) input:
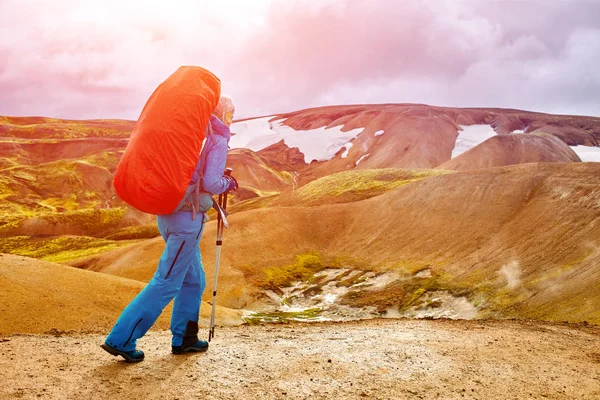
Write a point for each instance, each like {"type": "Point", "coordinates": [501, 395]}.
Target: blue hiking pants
{"type": "Point", "coordinates": [179, 275]}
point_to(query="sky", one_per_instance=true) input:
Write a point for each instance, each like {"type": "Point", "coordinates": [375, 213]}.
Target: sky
{"type": "Point", "coordinates": [102, 59]}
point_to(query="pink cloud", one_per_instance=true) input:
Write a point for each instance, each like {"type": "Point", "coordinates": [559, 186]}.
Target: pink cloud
{"type": "Point", "coordinates": [103, 59]}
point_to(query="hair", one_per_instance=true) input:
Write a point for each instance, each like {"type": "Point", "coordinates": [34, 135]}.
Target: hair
{"type": "Point", "coordinates": [225, 109]}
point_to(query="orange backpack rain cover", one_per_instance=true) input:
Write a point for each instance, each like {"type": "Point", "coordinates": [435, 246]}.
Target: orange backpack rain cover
{"type": "Point", "coordinates": [165, 143]}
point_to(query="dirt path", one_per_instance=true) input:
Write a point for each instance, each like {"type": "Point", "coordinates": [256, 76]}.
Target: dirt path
{"type": "Point", "coordinates": [377, 359]}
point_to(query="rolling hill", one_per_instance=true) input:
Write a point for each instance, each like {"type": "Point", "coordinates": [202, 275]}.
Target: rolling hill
{"type": "Point", "coordinates": [347, 209]}
{"type": "Point", "coordinates": [503, 150]}
{"type": "Point", "coordinates": [38, 297]}
{"type": "Point", "coordinates": [516, 242]}
{"type": "Point", "coordinates": [57, 174]}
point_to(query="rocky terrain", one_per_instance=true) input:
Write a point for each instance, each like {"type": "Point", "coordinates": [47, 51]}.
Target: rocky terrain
{"type": "Point", "coordinates": [519, 242]}
{"type": "Point", "coordinates": [483, 223]}
{"type": "Point", "coordinates": [42, 297]}
{"type": "Point", "coordinates": [376, 359]}
{"type": "Point", "coordinates": [506, 225]}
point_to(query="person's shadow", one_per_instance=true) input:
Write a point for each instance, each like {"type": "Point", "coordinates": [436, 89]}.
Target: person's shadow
{"type": "Point", "coordinates": [114, 379]}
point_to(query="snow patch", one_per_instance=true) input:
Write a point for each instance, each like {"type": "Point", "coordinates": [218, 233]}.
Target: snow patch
{"type": "Point", "coordinates": [471, 136]}
{"type": "Point", "coordinates": [587, 153]}
{"type": "Point", "coordinates": [379, 133]}
{"type": "Point", "coordinates": [348, 146]}
{"type": "Point", "coordinates": [319, 144]}
{"type": "Point", "coordinates": [362, 158]}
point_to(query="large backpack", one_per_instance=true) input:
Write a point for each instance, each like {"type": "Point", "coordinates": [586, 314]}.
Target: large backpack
{"type": "Point", "coordinates": [161, 156]}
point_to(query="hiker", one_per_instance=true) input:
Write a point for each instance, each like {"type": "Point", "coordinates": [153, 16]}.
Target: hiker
{"type": "Point", "coordinates": [180, 274]}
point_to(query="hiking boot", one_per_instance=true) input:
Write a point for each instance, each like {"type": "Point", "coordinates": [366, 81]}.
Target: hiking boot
{"type": "Point", "coordinates": [191, 343]}
{"type": "Point", "coordinates": [198, 347]}
{"type": "Point", "coordinates": [133, 356]}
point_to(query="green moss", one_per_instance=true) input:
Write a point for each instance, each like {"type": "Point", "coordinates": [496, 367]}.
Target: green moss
{"type": "Point", "coordinates": [91, 221]}
{"type": "Point", "coordinates": [304, 267]}
{"type": "Point", "coordinates": [6, 162]}
{"type": "Point", "coordinates": [412, 267]}
{"type": "Point", "coordinates": [67, 203]}
{"type": "Point", "coordinates": [342, 187]}
{"type": "Point", "coordinates": [414, 297]}
{"type": "Point", "coordinates": [106, 159]}
{"type": "Point", "coordinates": [359, 184]}
{"type": "Point", "coordinates": [38, 128]}
{"type": "Point", "coordinates": [282, 317]}
{"type": "Point", "coordinates": [60, 249]}
{"type": "Point", "coordinates": [134, 232]}
{"type": "Point", "coordinates": [51, 186]}
{"type": "Point", "coordinates": [8, 225]}
{"type": "Point", "coordinates": [351, 281]}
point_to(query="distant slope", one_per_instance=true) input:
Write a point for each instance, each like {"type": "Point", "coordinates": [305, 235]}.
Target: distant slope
{"type": "Point", "coordinates": [54, 128]}
{"type": "Point", "coordinates": [39, 296]}
{"type": "Point", "coordinates": [520, 241]}
{"type": "Point", "coordinates": [504, 150]}
{"type": "Point", "coordinates": [341, 187]}
{"type": "Point", "coordinates": [396, 135]}
{"type": "Point", "coordinates": [56, 175]}
{"type": "Point", "coordinates": [257, 175]}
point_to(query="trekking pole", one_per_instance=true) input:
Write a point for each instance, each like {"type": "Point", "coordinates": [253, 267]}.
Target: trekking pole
{"type": "Point", "coordinates": [223, 205]}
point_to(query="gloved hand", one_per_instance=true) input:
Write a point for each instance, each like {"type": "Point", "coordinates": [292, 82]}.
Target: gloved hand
{"type": "Point", "coordinates": [232, 183]}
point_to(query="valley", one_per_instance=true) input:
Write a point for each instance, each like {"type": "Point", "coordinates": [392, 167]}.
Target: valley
{"type": "Point", "coordinates": [344, 212]}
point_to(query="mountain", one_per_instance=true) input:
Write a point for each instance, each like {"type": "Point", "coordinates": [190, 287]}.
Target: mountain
{"type": "Point", "coordinates": [503, 150]}
{"type": "Point", "coordinates": [57, 174]}
{"type": "Point", "coordinates": [343, 212]}
{"type": "Point", "coordinates": [39, 296]}
{"type": "Point", "coordinates": [518, 241]}
{"type": "Point", "coordinates": [339, 138]}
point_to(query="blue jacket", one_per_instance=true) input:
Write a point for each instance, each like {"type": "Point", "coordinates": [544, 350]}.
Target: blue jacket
{"type": "Point", "coordinates": [213, 158]}
{"type": "Point", "coordinates": [212, 163]}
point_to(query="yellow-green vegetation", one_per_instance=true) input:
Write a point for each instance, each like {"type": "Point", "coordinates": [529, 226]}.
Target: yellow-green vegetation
{"type": "Point", "coordinates": [342, 187]}
{"type": "Point", "coordinates": [105, 159]}
{"type": "Point", "coordinates": [304, 267]}
{"type": "Point", "coordinates": [60, 192]}
{"type": "Point", "coordinates": [43, 128]}
{"type": "Point", "coordinates": [349, 186]}
{"type": "Point", "coordinates": [91, 221]}
{"type": "Point", "coordinates": [134, 233]}
{"type": "Point", "coordinates": [58, 249]}
{"type": "Point", "coordinates": [412, 267]}
{"type": "Point", "coordinates": [347, 281]}
{"type": "Point", "coordinates": [55, 186]}
{"type": "Point", "coordinates": [407, 291]}
{"type": "Point", "coordinates": [7, 162]}
{"type": "Point", "coordinates": [282, 317]}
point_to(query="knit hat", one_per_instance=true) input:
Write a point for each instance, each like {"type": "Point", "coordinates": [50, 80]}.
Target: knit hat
{"type": "Point", "coordinates": [225, 109]}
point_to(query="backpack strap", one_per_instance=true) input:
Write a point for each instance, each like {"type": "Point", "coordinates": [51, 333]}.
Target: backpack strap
{"type": "Point", "coordinates": [210, 135]}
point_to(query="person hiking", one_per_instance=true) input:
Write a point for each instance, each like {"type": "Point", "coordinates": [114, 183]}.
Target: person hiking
{"type": "Point", "coordinates": [180, 274]}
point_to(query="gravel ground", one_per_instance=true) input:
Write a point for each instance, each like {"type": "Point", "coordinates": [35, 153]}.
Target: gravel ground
{"type": "Point", "coordinates": [374, 359]}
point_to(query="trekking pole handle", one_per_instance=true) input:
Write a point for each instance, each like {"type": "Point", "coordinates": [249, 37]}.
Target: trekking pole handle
{"type": "Point", "coordinates": [228, 172]}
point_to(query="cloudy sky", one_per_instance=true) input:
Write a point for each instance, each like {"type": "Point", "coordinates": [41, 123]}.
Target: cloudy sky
{"type": "Point", "coordinates": [102, 59]}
